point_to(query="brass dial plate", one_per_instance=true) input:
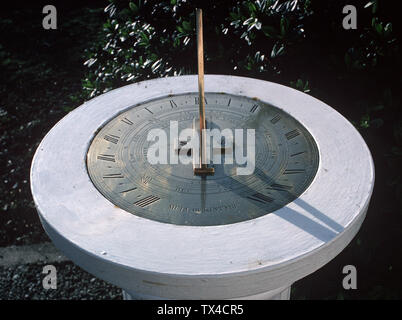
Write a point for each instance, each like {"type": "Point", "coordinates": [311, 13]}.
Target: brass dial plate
{"type": "Point", "coordinates": [286, 161]}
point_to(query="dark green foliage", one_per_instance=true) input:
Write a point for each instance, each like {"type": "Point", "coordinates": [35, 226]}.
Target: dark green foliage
{"type": "Point", "coordinates": [147, 39]}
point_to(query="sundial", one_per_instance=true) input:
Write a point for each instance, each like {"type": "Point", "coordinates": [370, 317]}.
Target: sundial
{"type": "Point", "coordinates": [277, 186]}
{"type": "Point", "coordinates": [286, 161]}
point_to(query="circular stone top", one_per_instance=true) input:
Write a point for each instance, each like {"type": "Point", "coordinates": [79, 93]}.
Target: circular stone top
{"type": "Point", "coordinates": [202, 261]}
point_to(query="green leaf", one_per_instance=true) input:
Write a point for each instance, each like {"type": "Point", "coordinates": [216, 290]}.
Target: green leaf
{"type": "Point", "coordinates": [284, 26]}
{"type": "Point", "coordinates": [388, 29]}
{"type": "Point", "coordinates": [186, 25]}
{"type": "Point", "coordinates": [368, 4]}
{"type": "Point", "coordinates": [133, 7]}
{"type": "Point", "coordinates": [251, 7]}
{"type": "Point", "coordinates": [233, 15]}
{"type": "Point", "coordinates": [306, 88]}
{"type": "Point", "coordinates": [248, 21]}
{"type": "Point", "coordinates": [379, 28]}
{"type": "Point", "coordinates": [365, 121]}
{"type": "Point", "coordinates": [375, 7]}
{"type": "Point", "coordinates": [268, 31]}
{"type": "Point", "coordinates": [277, 50]}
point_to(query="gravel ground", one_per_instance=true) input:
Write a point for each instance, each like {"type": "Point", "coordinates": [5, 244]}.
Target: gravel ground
{"type": "Point", "coordinates": [25, 282]}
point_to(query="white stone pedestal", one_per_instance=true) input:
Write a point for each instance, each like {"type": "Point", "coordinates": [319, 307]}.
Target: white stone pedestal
{"type": "Point", "coordinates": [254, 259]}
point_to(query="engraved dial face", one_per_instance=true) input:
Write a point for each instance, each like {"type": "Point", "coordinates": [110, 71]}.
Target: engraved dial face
{"type": "Point", "coordinates": [284, 164]}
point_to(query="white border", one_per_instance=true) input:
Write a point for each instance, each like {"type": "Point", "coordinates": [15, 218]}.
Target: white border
{"type": "Point", "coordinates": [226, 261]}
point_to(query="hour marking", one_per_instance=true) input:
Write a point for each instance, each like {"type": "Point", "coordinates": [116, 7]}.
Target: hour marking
{"type": "Point", "coordinates": [106, 157]}
{"type": "Point", "coordinates": [293, 171]}
{"type": "Point", "coordinates": [279, 187]}
{"type": "Point", "coordinates": [292, 134]}
{"type": "Point", "coordinates": [260, 198]}
{"type": "Point", "coordinates": [128, 190]}
{"type": "Point", "coordinates": [296, 154]}
{"type": "Point", "coordinates": [253, 108]}
{"type": "Point", "coordinates": [149, 110]}
{"type": "Point", "coordinates": [112, 138]}
{"type": "Point", "coordinates": [146, 201]}
{"type": "Point", "coordinates": [127, 121]}
{"type": "Point", "coordinates": [230, 100]}
{"type": "Point", "coordinates": [196, 99]}
{"type": "Point", "coordinates": [113, 175]}
{"type": "Point", "coordinates": [173, 104]}
{"type": "Point", "coordinates": [276, 119]}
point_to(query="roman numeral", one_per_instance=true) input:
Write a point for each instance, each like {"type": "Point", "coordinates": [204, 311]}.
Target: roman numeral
{"type": "Point", "coordinates": [279, 187]}
{"type": "Point", "coordinates": [262, 198]}
{"type": "Point", "coordinates": [276, 119]}
{"type": "Point", "coordinates": [146, 179]}
{"type": "Point", "coordinates": [296, 154]}
{"type": "Point", "coordinates": [253, 108]}
{"type": "Point", "coordinates": [230, 100]}
{"type": "Point", "coordinates": [112, 138]}
{"type": "Point", "coordinates": [293, 171]}
{"type": "Point", "coordinates": [146, 201]}
{"type": "Point", "coordinates": [292, 134]}
{"type": "Point", "coordinates": [173, 104]}
{"type": "Point", "coordinates": [149, 110]}
{"type": "Point", "coordinates": [113, 176]}
{"type": "Point", "coordinates": [197, 99]}
{"type": "Point", "coordinates": [128, 190]}
{"type": "Point", "coordinates": [127, 121]}
{"type": "Point", "coordinates": [106, 157]}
